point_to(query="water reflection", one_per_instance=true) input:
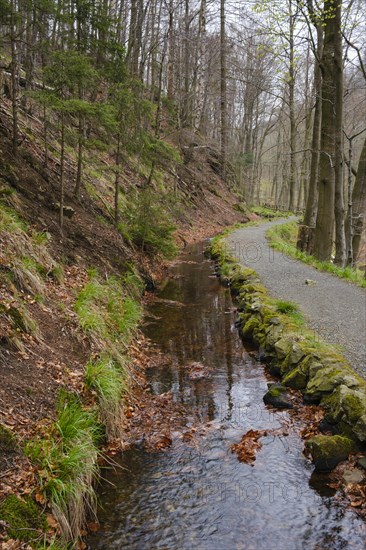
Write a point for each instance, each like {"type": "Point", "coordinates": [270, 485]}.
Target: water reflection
{"type": "Point", "coordinates": [198, 495]}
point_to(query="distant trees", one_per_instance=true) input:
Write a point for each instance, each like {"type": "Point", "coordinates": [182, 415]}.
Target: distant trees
{"type": "Point", "coordinates": [264, 80]}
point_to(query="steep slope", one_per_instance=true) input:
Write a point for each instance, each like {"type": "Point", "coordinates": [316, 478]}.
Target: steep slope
{"type": "Point", "coordinates": [70, 304]}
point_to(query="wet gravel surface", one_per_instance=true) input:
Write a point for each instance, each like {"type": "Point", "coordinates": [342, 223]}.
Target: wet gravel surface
{"type": "Point", "coordinates": [333, 307]}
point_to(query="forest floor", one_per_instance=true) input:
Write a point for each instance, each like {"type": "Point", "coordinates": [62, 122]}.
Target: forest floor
{"type": "Point", "coordinates": [334, 308]}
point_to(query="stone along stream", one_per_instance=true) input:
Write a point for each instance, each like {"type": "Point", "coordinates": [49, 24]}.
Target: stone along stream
{"type": "Point", "coordinates": [196, 494]}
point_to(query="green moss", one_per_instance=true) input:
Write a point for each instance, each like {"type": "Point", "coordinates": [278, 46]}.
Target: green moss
{"type": "Point", "coordinates": [24, 518]}
{"type": "Point", "coordinates": [327, 451]}
{"type": "Point", "coordinates": [256, 289]}
{"type": "Point", "coordinates": [269, 213]}
{"type": "Point", "coordinates": [276, 391]}
{"type": "Point", "coordinates": [327, 379]}
{"type": "Point", "coordinates": [250, 326]}
{"type": "Point", "coordinates": [7, 439]}
{"type": "Point", "coordinates": [295, 379]}
{"type": "Point", "coordinates": [345, 404]}
{"type": "Point", "coordinates": [304, 361]}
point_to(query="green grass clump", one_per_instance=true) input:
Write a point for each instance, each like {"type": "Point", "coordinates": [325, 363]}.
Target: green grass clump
{"type": "Point", "coordinates": [110, 381]}
{"type": "Point", "coordinates": [68, 462]}
{"type": "Point", "coordinates": [41, 238]}
{"type": "Point", "coordinates": [10, 221]}
{"type": "Point", "coordinates": [284, 306]}
{"type": "Point", "coordinates": [283, 238]}
{"type": "Point", "coordinates": [25, 253]}
{"type": "Point", "coordinates": [91, 318]}
{"type": "Point", "coordinates": [32, 265]}
{"type": "Point", "coordinates": [109, 310]}
{"type": "Point", "coordinates": [24, 518]}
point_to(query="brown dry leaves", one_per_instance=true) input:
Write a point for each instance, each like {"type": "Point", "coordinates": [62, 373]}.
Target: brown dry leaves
{"type": "Point", "coordinates": [246, 450]}
{"type": "Point", "coordinates": [353, 494]}
{"type": "Point", "coordinates": [197, 371]}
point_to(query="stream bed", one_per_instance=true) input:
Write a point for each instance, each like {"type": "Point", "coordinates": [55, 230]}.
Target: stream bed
{"type": "Point", "coordinates": [196, 494]}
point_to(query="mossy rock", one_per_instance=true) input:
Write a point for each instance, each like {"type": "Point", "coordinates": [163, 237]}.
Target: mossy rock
{"type": "Point", "coordinates": [238, 280]}
{"type": "Point", "coordinates": [292, 359]}
{"type": "Point", "coordinates": [244, 317]}
{"type": "Point", "coordinates": [296, 379]}
{"type": "Point", "coordinates": [347, 407]}
{"type": "Point", "coordinates": [7, 439]}
{"type": "Point", "coordinates": [282, 347]}
{"type": "Point", "coordinates": [327, 379]}
{"type": "Point", "coordinates": [254, 288]}
{"type": "Point", "coordinates": [250, 326]}
{"type": "Point", "coordinates": [328, 450]}
{"type": "Point", "coordinates": [254, 306]}
{"type": "Point", "coordinates": [274, 333]}
{"type": "Point", "coordinates": [23, 517]}
{"type": "Point", "coordinates": [277, 396]}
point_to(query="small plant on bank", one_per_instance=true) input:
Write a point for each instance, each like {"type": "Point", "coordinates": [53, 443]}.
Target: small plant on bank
{"type": "Point", "coordinates": [107, 310]}
{"type": "Point", "coordinates": [110, 381]}
{"type": "Point", "coordinates": [284, 306]}
{"type": "Point", "coordinates": [67, 459]}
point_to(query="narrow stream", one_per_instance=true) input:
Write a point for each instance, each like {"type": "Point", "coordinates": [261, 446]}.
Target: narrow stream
{"type": "Point", "coordinates": [196, 494]}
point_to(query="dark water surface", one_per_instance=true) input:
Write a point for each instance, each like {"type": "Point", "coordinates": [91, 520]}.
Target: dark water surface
{"type": "Point", "coordinates": [197, 495]}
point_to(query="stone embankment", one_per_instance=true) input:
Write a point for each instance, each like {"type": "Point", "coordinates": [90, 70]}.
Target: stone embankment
{"type": "Point", "coordinates": [300, 359]}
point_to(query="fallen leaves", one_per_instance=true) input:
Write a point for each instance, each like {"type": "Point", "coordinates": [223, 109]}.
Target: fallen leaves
{"type": "Point", "coordinates": [246, 450]}
{"type": "Point", "coordinates": [197, 371]}
{"type": "Point", "coordinates": [353, 494]}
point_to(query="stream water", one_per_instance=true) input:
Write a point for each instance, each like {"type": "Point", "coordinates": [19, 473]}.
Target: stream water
{"type": "Point", "coordinates": [197, 495]}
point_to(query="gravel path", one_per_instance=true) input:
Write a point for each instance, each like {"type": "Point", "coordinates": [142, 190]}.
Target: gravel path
{"type": "Point", "coordinates": [334, 308]}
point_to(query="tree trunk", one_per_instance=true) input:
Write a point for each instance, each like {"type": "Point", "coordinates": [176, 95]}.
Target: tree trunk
{"type": "Point", "coordinates": [201, 67]}
{"type": "Point", "coordinates": [62, 174]}
{"type": "Point", "coordinates": [171, 60]}
{"type": "Point", "coordinates": [325, 216]}
{"type": "Point", "coordinates": [307, 230]}
{"type": "Point", "coordinates": [359, 205]}
{"type": "Point", "coordinates": [340, 237]}
{"type": "Point", "coordinates": [14, 78]}
{"type": "Point", "coordinates": [223, 88]}
{"type": "Point", "coordinates": [77, 190]}
{"type": "Point", "coordinates": [116, 183]}
{"type": "Point", "coordinates": [291, 91]}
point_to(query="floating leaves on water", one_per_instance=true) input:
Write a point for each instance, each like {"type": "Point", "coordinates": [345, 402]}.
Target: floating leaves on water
{"type": "Point", "coordinates": [246, 450]}
{"type": "Point", "coordinates": [197, 371]}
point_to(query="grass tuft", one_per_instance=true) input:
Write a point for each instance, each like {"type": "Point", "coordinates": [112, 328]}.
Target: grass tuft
{"type": "Point", "coordinates": [67, 459]}
{"type": "Point", "coordinates": [109, 310]}
{"type": "Point", "coordinates": [110, 381]}
{"type": "Point", "coordinates": [284, 306]}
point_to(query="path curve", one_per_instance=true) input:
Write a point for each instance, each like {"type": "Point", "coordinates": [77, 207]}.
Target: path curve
{"type": "Point", "coordinates": [334, 308]}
